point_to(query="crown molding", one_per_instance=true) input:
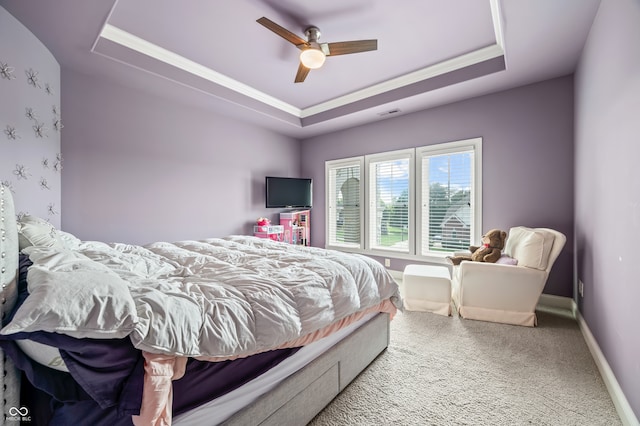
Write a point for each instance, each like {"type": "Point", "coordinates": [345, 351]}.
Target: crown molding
{"type": "Point", "coordinates": [133, 42]}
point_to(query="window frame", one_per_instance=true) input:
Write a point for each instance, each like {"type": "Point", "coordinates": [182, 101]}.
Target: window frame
{"type": "Point", "coordinates": [415, 220]}
{"type": "Point", "coordinates": [474, 145]}
{"type": "Point", "coordinates": [336, 164]}
{"type": "Point", "coordinates": [370, 160]}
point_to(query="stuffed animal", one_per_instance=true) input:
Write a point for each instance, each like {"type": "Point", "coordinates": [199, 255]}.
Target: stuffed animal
{"type": "Point", "coordinates": [263, 223]}
{"type": "Point", "coordinates": [490, 251]}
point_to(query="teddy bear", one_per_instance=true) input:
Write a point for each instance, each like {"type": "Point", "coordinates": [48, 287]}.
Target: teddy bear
{"type": "Point", "coordinates": [492, 244]}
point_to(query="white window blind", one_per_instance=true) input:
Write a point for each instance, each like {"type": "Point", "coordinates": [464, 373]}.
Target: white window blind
{"type": "Point", "coordinates": [409, 204]}
{"type": "Point", "coordinates": [390, 202]}
{"type": "Point", "coordinates": [449, 213]}
{"type": "Point", "coordinates": [344, 204]}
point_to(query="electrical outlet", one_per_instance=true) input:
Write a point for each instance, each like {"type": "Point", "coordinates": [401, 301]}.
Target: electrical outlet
{"type": "Point", "coordinates": [581, 288]}
{"type": "Point", "coordinates": [387, 263]}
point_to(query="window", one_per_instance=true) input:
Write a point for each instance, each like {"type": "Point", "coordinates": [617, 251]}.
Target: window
{"type": "Point", "coordinates": [390, 201]}
{"type": "Point", "coordinates": [410, 203]}
{"type": "Point", "coordinates": [449, 196]}
{"type": "Point", "coordinates": [345, 199]}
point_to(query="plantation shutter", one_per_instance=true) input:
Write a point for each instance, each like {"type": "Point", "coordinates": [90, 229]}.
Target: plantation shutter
{"type": "Point", "coordinates": [447, 193]}
{"type": "Point", "coordinates": [344, 189]}
{"type": "Point", "coordinates": [389, 203]}
{"type": "Point", "coordinates": [418, 203]}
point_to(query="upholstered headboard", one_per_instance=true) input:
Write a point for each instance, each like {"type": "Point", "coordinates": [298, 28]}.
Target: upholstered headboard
{"type": "Point", "coordinates": [9, 375]}
{"type": "Point", "coordinates": [30, 121]}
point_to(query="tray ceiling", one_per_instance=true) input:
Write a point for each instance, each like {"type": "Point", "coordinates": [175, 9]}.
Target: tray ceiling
{"type": "Point", "coordinates": [215, 54]}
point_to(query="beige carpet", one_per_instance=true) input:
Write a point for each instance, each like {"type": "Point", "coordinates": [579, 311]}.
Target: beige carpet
{"type": "Point", "coordinates": [449, 371]}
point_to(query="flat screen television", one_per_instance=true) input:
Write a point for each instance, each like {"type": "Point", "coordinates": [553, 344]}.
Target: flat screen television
{"type": "Point", "coordinates": [286, 192]}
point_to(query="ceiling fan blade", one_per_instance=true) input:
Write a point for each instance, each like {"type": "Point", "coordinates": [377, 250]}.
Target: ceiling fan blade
{"type": "Point", "coordinates": [302, 73]}
{"type": "Point", "coordinates": [282, 32]}
{"type": "Point", "coordinates": [346, 47]}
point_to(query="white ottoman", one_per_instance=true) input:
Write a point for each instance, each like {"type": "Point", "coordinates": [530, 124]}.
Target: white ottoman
{"type": "Point", "coordinates": [427, 288]}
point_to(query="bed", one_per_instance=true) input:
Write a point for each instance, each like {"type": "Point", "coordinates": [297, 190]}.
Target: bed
{"type": "Point", "coordinates": [123, 334]}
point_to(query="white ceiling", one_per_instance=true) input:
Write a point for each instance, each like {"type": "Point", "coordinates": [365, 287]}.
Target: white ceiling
{"type": "Point", "coordinates": [213, 54]}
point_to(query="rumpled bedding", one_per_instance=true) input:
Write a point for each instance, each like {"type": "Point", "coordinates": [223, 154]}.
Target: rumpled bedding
{"type": "Point", "coordinates": [105, 375]}
{"type": "Point", "coordinates": [217, 298]}
{"type": "Point", "coordinates": [214, 299]}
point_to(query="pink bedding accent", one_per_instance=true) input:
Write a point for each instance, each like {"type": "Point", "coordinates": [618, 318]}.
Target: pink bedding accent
{"type": "Point", "coordinates": [157, 394]}
{"type": "Point", "coordinates": [160, 370]}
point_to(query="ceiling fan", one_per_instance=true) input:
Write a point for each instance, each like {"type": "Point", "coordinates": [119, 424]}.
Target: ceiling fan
{"type": "Point", "coordinates": [314, 53]}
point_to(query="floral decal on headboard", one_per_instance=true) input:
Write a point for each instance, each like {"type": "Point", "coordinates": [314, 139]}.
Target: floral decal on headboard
{"type": "Point", "coordinates": [32, 78]}
{"type": "Point", "coordinates": [11, 132]}
{"type": "Point", "coordinates": [6, 71]}
{"type": "Point", "coordinates": [30, 121]}
{"type": "Point", "coordinates": [30, 148]}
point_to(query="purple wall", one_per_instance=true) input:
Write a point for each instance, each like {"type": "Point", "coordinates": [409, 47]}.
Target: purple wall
{"type": "Point", "coordinates": [607, 212]}
{"type": "Point", "coordinates": [139, 168]}
{"type": "Point", "coordinates": [527, 158]}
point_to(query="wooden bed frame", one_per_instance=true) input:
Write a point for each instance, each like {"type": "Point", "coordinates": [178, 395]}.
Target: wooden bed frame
{"type": "Point", "coordinates": [297, 400]}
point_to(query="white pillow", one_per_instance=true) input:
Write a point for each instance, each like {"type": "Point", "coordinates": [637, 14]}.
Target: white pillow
{"type": "Point", "coordinates": [531, 247]}
{"type": "Point", "coordinates": [33, 231]}
{"type": "Point", "coordinates": [73, 295]}
{"type": "Point", "coordinates": [43, 354]}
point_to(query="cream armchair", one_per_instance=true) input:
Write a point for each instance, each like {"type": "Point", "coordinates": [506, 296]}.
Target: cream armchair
{"type": "Point", "coordinates": [508, 293]}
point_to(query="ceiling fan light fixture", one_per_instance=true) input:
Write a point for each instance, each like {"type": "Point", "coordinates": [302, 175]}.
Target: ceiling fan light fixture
{"type": "Point", "coordinates": [312, 58]}
{"type": "Point", "coordinates": [313, 54]}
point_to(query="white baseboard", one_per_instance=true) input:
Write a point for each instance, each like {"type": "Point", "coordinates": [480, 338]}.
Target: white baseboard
{"type": "Point", "coordinates": [554, 301]}
{"type": "Point", "coordinates": [619, 399]}
{"type": "Point", "coordinates": [617, 396]}
{"type": "Point", "coordinates": [397, 275]}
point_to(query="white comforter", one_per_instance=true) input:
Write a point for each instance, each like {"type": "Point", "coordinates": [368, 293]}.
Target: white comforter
{"type": "Point", "coordinates": [213, 298]}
